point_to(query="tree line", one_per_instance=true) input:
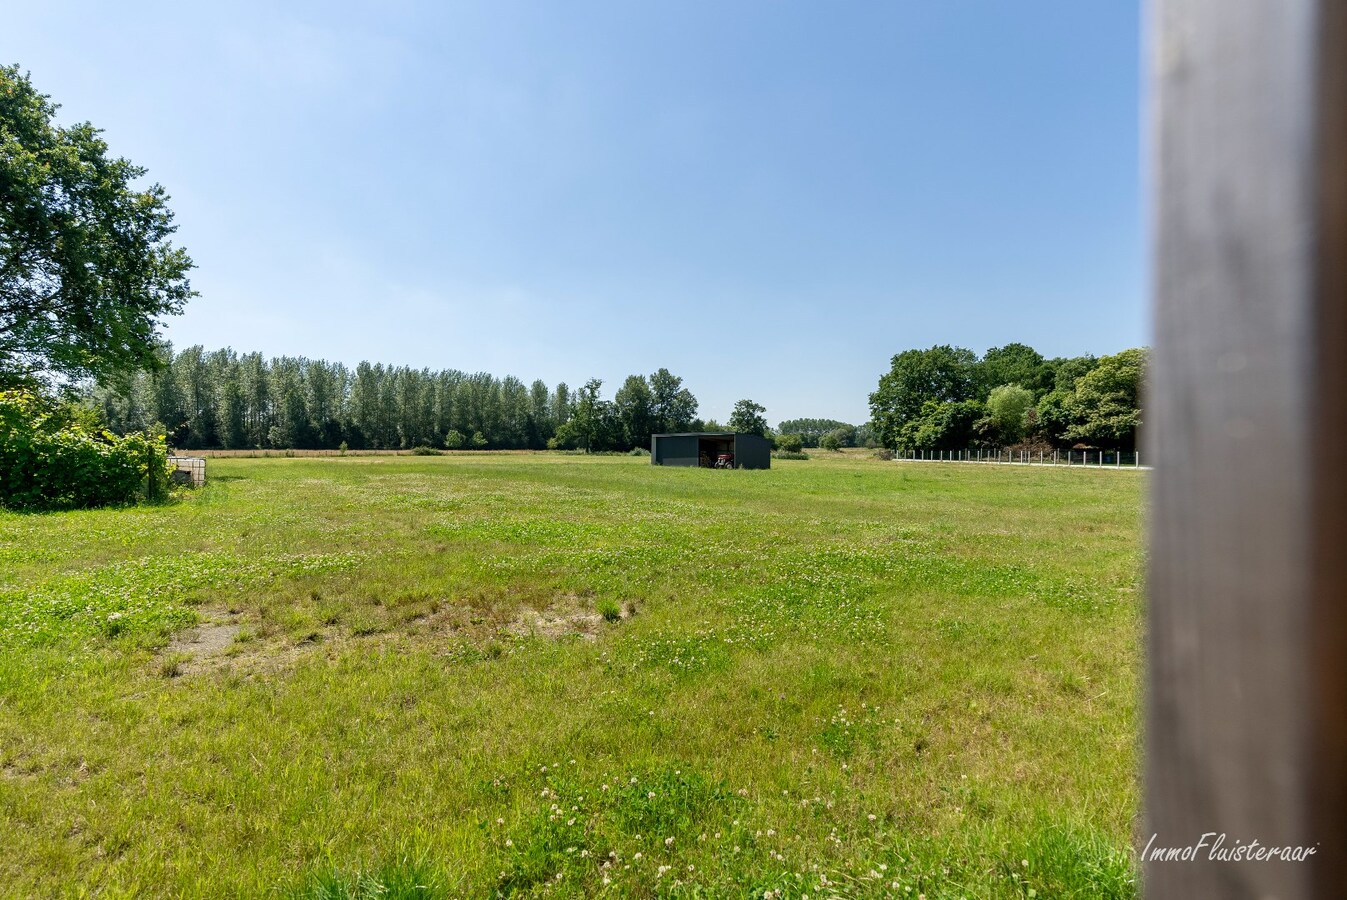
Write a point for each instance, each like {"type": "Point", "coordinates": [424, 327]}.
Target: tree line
{"type": "Point", "coordinates": [226, 400]}
{"type": "Point", "coordinates": [947, 398]}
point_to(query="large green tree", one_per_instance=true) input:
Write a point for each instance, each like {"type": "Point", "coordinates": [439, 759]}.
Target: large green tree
{"type": "Point", "coordinates": [634, 406]}
{"type": "Point", "coordinates": [749, 417]}
{"type": "Point", "coordinates": [672, 405]}
{"type": "Point", "coordinates": [1007, 408]}
{"type": "Point", "coordinates": [942, 374]}
{"type": "Point", "coordinates": [942, 426]}
{"type": "Point", "coordinates": [1105, 409]}
{"type": "Point", "coordinates": [86, 266]}
{"type": "Point", "coordinates": [1015, 364]}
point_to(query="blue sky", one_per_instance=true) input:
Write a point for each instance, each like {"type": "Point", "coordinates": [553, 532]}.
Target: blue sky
{"type": "Point", "coordinates": [770, 200]}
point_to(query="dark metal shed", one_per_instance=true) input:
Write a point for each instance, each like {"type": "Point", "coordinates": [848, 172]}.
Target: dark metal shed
{"type": "Point", "coordinates": [701, 448]}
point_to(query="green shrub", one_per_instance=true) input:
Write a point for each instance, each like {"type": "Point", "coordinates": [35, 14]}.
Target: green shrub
{"type": "Point", "coordinates": [790, 443]}
{"type": "Point", "coordinates": [454, 439]}
{"type": "Point", "coordinates": [426, 451]}
{"type": "Point", "coordinates": [789, 454]}
{"type": "Point", "coordinates": [638, 451]}
{"type": "Point", "coordinates": [48, 461]}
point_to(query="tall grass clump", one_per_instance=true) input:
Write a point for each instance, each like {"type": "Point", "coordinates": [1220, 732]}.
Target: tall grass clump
{"type": "Point", "coordinates": [399, 879]}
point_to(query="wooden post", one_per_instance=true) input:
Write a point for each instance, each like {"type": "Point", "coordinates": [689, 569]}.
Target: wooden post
{"type": "Point", "coordinates": [1246, 722]}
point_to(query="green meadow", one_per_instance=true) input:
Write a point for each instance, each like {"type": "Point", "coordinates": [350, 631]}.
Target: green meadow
{"type": "Point", "coordinates": [480, 675]}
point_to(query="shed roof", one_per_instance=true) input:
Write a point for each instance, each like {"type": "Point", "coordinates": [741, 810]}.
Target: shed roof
{"type": "Point", "coordinates": [708, 434]}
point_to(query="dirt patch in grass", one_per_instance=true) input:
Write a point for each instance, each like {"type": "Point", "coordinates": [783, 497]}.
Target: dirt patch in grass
{"type": "Point", "coordinates": [201, 646]}
{"type": "Point", "coordinates": [567, 616]}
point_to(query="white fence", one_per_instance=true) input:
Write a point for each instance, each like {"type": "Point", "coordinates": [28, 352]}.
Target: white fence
{"type": "Point", "coordinates": [1112, 459]}
{"type": "Point", "coordinates": [188, 470]}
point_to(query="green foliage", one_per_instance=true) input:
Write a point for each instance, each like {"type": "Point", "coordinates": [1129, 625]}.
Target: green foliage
{"type": "Point", "coordinates": [921, 401]}
{"type": "Point", "coordinates": [789, 443]}
{"type": "Point", "coordinates": [48, 461]}
{"type": "Point", "coordinates": [1007, 408]}
{"type": "Point", "coordinates": [810, 430]}
{"type": "Point", "coordinates": [842, 436]}
{"type": "Point", "coordinates": [586, 418]}
{"type": "Point", "coordinates": [479, 441]}
{"type": "Point", "coordinates": [942, 374]}
{"type": "Point", "coordinates": [231, 401]}
{"type": "Point", "coordinates": [633, 404]}
{"type": "Point", "coordinates": [749, 418]}
{"type": "Point", "coordinates": [943, 426]}
{"type": "Point", "coordinates": [1067, 371]}
{"type": "Point", "coordinates": [1015, 364]}
{"type": "Point", "coordinates": [672, 406]}
{"type": "Point", "coordinates": [790, 454]}
{"type": "Point", "coordinates": [86, 266]}
{"type": "Point", "coordinates": [426, 451]}
{"type": "Point", "coordinates": [610, 609]}
{"type": "Point", "coordinates": [1104, 408]}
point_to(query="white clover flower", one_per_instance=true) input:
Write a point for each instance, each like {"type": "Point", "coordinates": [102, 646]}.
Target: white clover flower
{"type": "Point", "coordinates": [668, 842]}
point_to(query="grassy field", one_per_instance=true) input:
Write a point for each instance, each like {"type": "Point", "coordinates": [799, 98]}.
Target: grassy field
{"type": "Point", "coordinates": [551, 675]}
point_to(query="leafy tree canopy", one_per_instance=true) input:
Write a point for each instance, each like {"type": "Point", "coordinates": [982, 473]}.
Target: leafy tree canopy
{"type": "Point", "coordinates": [810, 430]}
{"type": "Point", "coordinates": [672, 406]}
{"type": "Point", "coordinates": [749, 418]}
{"type": "Point", "coordinates": [943, 374]}
{"type": "Point", "coordinates": [1015, 364]}
{"type": "Point", "coordinates": [86, 266]}
{"type": "Point", "coordinates": [635, 409]}
{"type": "Point", "coordinates": [943, 426]}
{"type": "Point", "coordinates": [1007, 407]}
{"type": "Point", "coordinates": [1104, 409]}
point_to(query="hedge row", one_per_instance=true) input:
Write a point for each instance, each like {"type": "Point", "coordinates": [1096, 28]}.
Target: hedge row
{"type": "Point", "coordinates": [48, 461]}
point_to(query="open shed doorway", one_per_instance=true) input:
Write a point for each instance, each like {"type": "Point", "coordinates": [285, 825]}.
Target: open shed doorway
{"type": "Point", "coordinates": [713, 450]}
